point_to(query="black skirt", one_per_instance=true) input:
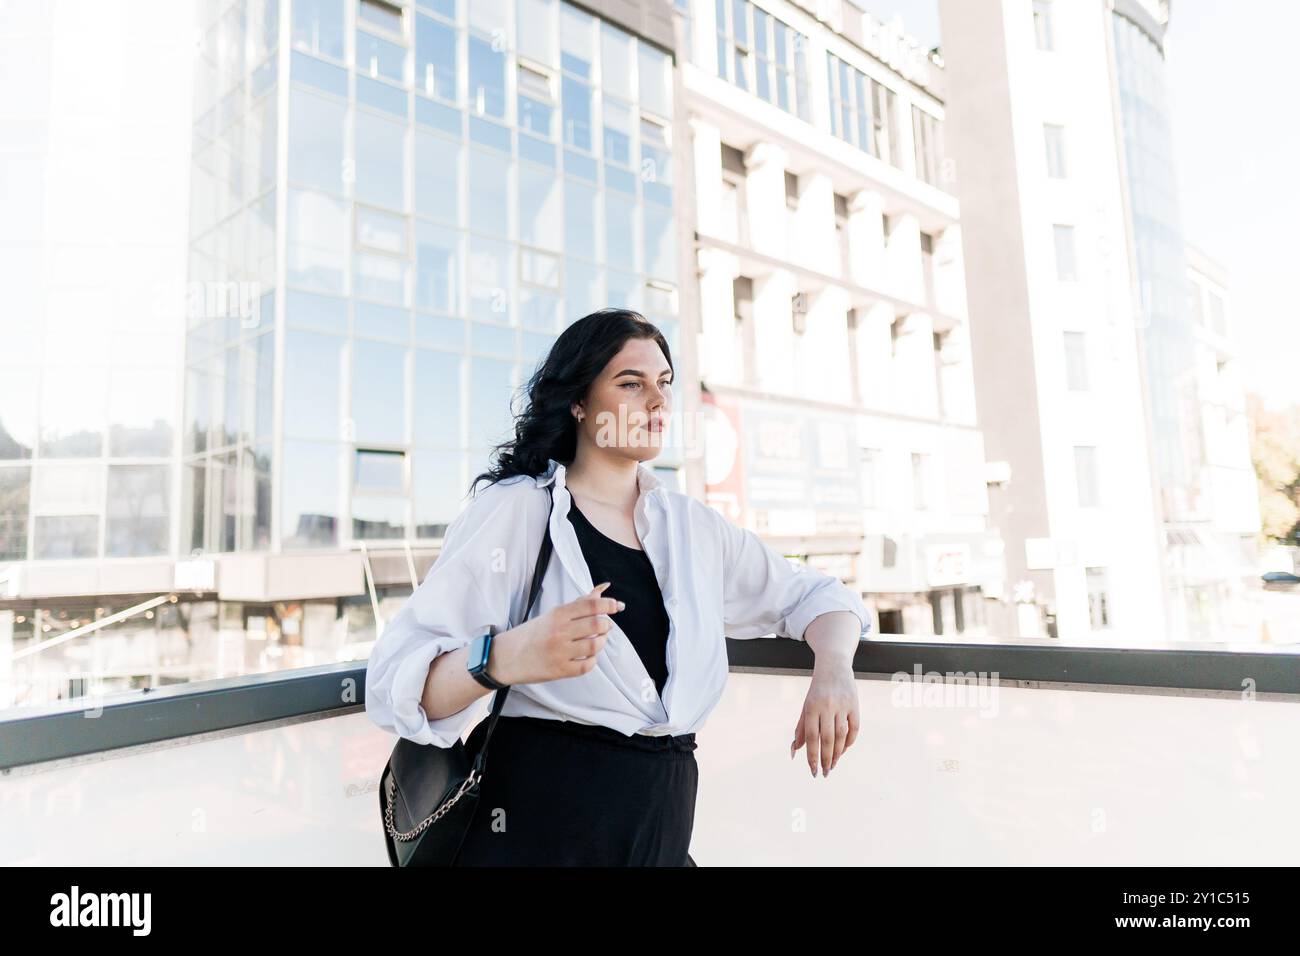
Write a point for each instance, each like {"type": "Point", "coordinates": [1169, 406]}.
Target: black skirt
{"type": "Point", "coordinates": [559, 793]}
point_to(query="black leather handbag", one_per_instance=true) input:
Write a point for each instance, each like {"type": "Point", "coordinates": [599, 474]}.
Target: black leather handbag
{"type": "Point", "coordinates": [428, 794]}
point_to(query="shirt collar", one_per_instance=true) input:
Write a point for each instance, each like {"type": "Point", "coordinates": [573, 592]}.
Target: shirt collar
{"type": "Point", "coordinates": [646, 480]}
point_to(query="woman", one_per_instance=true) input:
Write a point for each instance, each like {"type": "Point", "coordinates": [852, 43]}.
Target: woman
{"type": "Point", "coordinates": [592, 760]}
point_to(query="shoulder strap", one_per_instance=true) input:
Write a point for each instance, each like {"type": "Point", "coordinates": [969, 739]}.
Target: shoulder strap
{"type": "Point", "coordinates": [539, 571]}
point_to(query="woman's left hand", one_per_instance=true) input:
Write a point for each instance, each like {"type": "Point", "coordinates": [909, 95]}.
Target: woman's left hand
{"type": "Point", "coordinates": [829, 722]}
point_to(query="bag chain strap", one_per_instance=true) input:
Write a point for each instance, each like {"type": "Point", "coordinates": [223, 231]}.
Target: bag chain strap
{"type": "Point", "coordinates": [473, 778]}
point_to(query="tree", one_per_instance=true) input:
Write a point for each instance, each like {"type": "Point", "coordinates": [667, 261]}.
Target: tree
{"type": "Point", "coordinates": [1275, 449]}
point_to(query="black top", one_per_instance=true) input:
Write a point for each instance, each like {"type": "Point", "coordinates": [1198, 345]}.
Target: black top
{"type": "Point", "coordinates": [632, 581]}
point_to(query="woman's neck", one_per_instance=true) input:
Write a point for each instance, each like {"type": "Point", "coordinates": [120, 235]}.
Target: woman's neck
{"type": "Point", "coordinates": [611, 482]}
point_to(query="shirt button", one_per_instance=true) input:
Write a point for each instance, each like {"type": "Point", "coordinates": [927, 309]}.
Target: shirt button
{"type": "Point", "coordinates": [672, 602]}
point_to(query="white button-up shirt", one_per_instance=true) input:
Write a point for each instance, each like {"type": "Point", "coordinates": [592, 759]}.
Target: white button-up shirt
{"type": "Point", "coordinates": [716, 579]}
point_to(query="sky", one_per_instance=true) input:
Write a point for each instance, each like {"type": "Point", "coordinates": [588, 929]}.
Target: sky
{"type": "Point", "coordinates": [1235, 152]}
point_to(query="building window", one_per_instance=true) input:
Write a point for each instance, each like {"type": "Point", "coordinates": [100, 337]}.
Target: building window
{"type": "Point", "coordinates": [920, 481]}
{"type": "Point", "coordinates": [1054, 137]}
{"type": "Point", "coordinates": [842, 233]}
{"type": "Point", "coordinates": [742, 294]}
{"type": "Point", "coordinates": [1076, 362]}
{"type": "Point", "coordinates": [799, 312]}
{"type": "Point", "coordinates": [871, 477]}
{"type": "Point", "coordinates": [1085, 472]}
{"type": "Point", "coordinates": [925, 135]}
{"type": "Point", "coordinates": [1043, 24]}
{"type": "Point", "coordinates": [759, 53]}
{"type": "Point", "coordinates": [884, 116]}
{"type": "Point", "coordinates": [1066, 267]}
{"type": "Point", "coordinates": [1098, 599]}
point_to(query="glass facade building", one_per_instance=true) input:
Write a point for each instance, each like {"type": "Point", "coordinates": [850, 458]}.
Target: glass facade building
{"type": "Point", "coordinates": [407, 202]}
{"type": "Point", "coordinates": [1167, 328]}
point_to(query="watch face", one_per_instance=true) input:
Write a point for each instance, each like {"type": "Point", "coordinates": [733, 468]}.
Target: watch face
{"type": "Point", "coordinates": [478, 656]}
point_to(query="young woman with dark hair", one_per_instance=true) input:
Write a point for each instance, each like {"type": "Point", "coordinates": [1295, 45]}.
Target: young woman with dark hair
{"type": "Point", "coordinates": [592, 760]}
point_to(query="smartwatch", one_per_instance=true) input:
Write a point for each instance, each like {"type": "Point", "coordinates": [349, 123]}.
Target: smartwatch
{"type": "Point", "coordinates": [477, 661]}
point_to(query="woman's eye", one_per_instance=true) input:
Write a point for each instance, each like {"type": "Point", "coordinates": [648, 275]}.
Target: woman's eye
{"type": "Point", "coordinates": [630, 385]}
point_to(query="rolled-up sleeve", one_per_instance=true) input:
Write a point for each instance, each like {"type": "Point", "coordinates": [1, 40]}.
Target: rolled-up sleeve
{"type": "Point", "coordinates": [765, 595]}
{"type": "Point", "coordinates": [469, 590]}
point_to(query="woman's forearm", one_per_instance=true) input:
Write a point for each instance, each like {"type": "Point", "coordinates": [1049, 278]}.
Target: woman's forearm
{"type": "Point", "coordinates": [450, 687]}
{"type": "Point", "coordinates": [834, 638]}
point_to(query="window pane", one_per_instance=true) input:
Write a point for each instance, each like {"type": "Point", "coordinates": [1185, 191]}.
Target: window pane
{"type": "Point", "coordinates": [305, 310]}
{"type": "Point", "coordinates": [620, 239]}
{"type": "Point", "coordinates": [139, 423]}
{"type": "Point", "coordinates": [380, 14]}
{"type": "Point", "coordinates": [139, 510]}
{"type": "Point", "coordinates": [382, 278]}
{"type": "Point", "coordinates": [17, 410]}
{"type": "Point", "coordinates": [653, 69]}
{"type": "Point", "coordinates": [577, 113]}
{"type": "Point", "coordinates": [537, 30]}
{"type": "Point", "coordinates": [439, 490]}
{"type": "Point", "coordinates": [577, 41]}
{"type": "Point", "coordinates": [381, 161]}
{"type": "Point", "coordinates": [1076, 361]}
{"type": "Point", "coordinates": [489, 401]}
{"type": "Point", "coordinates": [539, 207]}
{"type": "Point", "coordinates": [379, 392]}
{"type": "Point", "coordinates": [579, 219]}
{"type": "Point", "coordinates": [616, 60]}
{"type": "Point", "coordinates": [319, 238]}
{"type": "Point", "coordinates": [313, 371]}
{"type": "Point", "coordinates": [491, 272]}
{"type": "Point", "coordinates": [1066, 268]}
{"type": "Point", "coordinates": [435, 58]}
{"type": "Point", "coordinates": [310, 494]}
{"type": "Point", "coordinates": [437, 399]}
{"type": "Point", "coordinates": [618, 132]}
{"type": "Point", "coordinates": [1085, 462]}
{"type": "Point", "coordinates": [377, 58]}
{"type": "Point", "coordinates": [381, 230]}
{"type": "Point", "coordinates": [489, 199]}
{"type": "Point", "coordinates": [72, 412]}
{"type": "Point", "coordinates": [487, 79]}
{"type": "Point", "coordinates": [66, 537]}
{"type": "Point", "coordinates": [318, 26]}
{"type": "Point", "coordinates": [437, 177]}
{"type": "Point", "coordinates": [437, 278]}
{"type": "Point", "coordinates": [381, 321]}
{"type": "Point", "coordinates": [15, 504]}
{"type": "Point", "coordinates": [316, 141]}
{"type": "Point", "coordinates": [660, 243]}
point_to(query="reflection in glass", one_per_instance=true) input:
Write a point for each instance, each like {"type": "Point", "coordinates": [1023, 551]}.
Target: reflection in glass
{"type": "Point", "coordinates": [580, 212]}
{"type": "Point", "coordinates": [435, 58]}
{"type": "Point", "coordinates": [17, 412]}
{"type": "Point", "coordinates": [140, 403]}
{"type": "Point", "coordinates": [379, 470]}
{"type": "Point", "coordinates": [439, 491]}
{"type": "Point", "coordinates": [437, 406]}
{"type": "Point", "coordinates": [489, 199]}
{"type": "Point", "coordinates": [316, 141]}
{"type": "Point", "coordinates": [491, 268]}
{"type": "Point", "coordinates": [539, 207]}
{"type": "Point", "coordinates": [437, 177]}
{"type": "Point", "coordinates": [139, 510]}
{"type": "Point", "coordinates": [72, 413]}
{"type": "Point", "coordinates": [378, 518]}
{"type": "Point", "coordinates": [313, 371]}
{"type": "Point", "coordinates": [437, 265]}
{"type": "Point", "coordinates": [310, 495]}
{"type": "Point", "coordinates": [381, 165]}
{"type": "Point", "coordinates": [15, 499]}
{"type": "Point", "coordinates": [318, 26]}
{"type": "Point", "coordinates": [66, 537]}
{"type": "Point", "coordinates": [379, 392]}
{"type": "Point", "coordinates": [487, 79]}
{"type": "Point", "coordinates": [489, 401]}
{"type": "Point", "coordinates": [319, 238]}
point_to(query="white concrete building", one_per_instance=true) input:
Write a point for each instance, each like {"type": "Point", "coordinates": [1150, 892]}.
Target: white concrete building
{"type": "Point", "coordinates": [1220, 592]}
{"type": "Point", "coordinates": [834, 346]}
{"type": "Point", "coordinates": [1032, 124]}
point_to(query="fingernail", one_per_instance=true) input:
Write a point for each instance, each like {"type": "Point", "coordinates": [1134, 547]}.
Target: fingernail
{"type": "Point", "coordinates": [621, 605]}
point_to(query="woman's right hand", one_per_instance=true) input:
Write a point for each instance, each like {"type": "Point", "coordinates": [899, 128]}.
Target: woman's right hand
{"type": "Point", "coordinates": [563, 642]}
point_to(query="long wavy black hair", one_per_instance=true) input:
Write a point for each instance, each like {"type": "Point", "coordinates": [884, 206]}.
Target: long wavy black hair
{"type": "Point", "coordinates": [546, 428]}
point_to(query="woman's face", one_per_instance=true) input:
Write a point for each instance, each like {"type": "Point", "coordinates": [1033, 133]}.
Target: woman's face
{"type": "Point", "coordinates": [627, 407]}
